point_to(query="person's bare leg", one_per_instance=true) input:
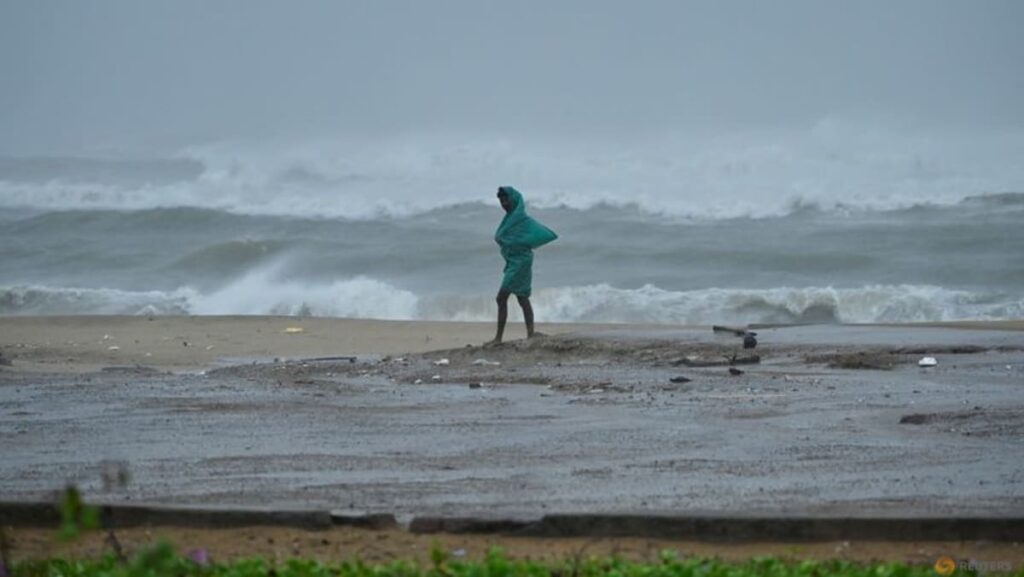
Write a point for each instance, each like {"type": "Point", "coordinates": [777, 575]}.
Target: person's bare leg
{"type": "Point", "coordinates": [524, 303]}
{"type": "Point", "coordinates": [502, 300]}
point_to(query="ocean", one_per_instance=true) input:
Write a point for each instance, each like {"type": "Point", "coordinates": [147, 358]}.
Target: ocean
{"type": "Point", "coordinates": [838, 222]}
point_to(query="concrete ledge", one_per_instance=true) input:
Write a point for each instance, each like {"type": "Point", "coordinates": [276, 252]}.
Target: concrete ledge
{"type": "Point", "coordinates": [696, 528]}
{"type": "Point", "coordinates": [467, 525]}
{"type": "Point", "coordinates": [122, 516]}
{"type": "Point", "coordinates": [376, 522]}
{"type": "Point", "coordinates": [214, 518]}
{"type": "Point", "coordinates": [29, 514]}
{"type": "Point", "coordinates": [740, 529]}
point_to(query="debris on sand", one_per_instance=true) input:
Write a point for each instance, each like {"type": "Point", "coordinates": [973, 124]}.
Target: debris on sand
{"type": "Point", "coordinates": [131, 369]}
{"type": "Point", "coordinates": [749, 341]}
{"type": "Point", "coordinates": [735, 331]}
{"type": "Point", "coordinates": [735, 372]}
{"type": "Point", "coordinates": [350, 359]}
{"type": "Point", "coordinates": [944, 350]}
{"type": "Point", "coordinates": [723, 362]}
{"type": "Point", "coordinates": [442, 362]}
{"type": "Point", "coordinates": [927, 362]}
{"type": "Point", "coordinates": [942, 418]}
{"type": "Point", "coordinates": [679, 379]}
{"type": "Point", "coordinates": [866, 360]}
{"type": "Point", "coordinates": [749, 337]}
{"type": "Point", "coordinates": [915, 419]}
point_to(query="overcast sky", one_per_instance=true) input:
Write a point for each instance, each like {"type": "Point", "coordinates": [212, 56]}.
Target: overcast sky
{"type": "Point", "coordinates": [91, 75]}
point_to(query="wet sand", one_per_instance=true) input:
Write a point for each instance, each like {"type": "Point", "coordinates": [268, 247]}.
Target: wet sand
{"type": "Point", "coordinates": [585, 421]}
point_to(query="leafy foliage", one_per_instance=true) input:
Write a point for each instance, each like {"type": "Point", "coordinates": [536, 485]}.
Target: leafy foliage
{"type": "Point", "coordinates": [163, 561]}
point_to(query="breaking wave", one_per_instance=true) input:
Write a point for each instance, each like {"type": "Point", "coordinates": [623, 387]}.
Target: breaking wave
{"type": "Point", "coordinates": [870, 304]}
{"type": "Point", "coordinates": [362, 297]}
{"type": "Point", "coordinates": [832, 165]}
{"type": "Point", "coordinates": [43, 300]}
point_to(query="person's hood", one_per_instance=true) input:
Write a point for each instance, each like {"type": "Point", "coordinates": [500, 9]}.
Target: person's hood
{"type": "Point", "coordinates": [517, 230]}
{"type": "Point", "coordinates": [514, 216]}
{"type": "Point", "coordinates": [515, 198]}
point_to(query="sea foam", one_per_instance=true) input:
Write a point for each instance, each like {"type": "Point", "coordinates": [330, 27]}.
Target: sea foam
{"type": "Point", "coordinates": [363, 297]}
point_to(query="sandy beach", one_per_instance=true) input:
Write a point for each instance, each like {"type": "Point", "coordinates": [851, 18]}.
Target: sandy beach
{"type": "Point", "coordinates": [827, 420]}
{"type": "Point", "coordinates": [195, 343]}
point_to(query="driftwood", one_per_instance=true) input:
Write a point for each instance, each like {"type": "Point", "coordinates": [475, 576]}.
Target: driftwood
{"type": "Point", "coordinates": [737, 332]}
{"type": "Point", "coordinates": [749, 340]}
{"type": "Point", "coordinates": [724, 362]}
{"type": "Point", "coordinates": [325, 359]}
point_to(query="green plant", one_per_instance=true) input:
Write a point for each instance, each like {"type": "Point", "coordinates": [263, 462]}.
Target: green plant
{"type": "Point", "coordinates": [163, 561]}
{"type": "Point", "coordinates": [75, 515]}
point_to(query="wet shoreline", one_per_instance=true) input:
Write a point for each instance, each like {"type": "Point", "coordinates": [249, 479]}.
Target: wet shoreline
{"type": "Point", "coordinates": [573, 423]}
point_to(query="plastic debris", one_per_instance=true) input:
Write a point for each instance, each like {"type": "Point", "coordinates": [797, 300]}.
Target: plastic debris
{"type": "Point", "coordinates": [442, 362]}
{"type": "Point", "coordinates": [486, 363]}
{"type": "Point", "coordinates": [294, 330]}
{"type": "Point", "coordinates": [927, 362]}
{"type": "Point", "coordinates": [436, 378]}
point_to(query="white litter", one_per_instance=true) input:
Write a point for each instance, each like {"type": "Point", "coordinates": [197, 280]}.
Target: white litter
{"type": "Point", "coordinates": [435, 378]}
{"type": "Point", "coordinates": [442, 362]}
{"type": "Point", "coordinates": [927, 362]}
{"type": "Point", "coordinates": [114, 348]}
{"type": "Point", "coordinates": [486, 363]}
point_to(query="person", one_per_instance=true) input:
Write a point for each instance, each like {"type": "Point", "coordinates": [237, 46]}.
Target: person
{"type": "Point", "coordinates": [517, 235]}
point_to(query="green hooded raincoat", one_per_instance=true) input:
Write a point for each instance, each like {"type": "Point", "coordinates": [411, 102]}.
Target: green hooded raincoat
{"type": "Point", "coordinates": [518, 235]}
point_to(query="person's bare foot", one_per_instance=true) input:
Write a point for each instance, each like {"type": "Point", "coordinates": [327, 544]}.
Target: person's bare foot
{"type": "Point", "coordinates": [491, 344]}
{"type": "Point", "coordinates": [536, 335]}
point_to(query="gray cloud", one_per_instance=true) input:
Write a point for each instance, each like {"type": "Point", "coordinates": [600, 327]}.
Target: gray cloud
{"type": "Point", "coordinates": [121, 74]}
